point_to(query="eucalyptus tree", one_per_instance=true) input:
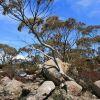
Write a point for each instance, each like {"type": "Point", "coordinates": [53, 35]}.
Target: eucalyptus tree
{"type": "Point", "coordinates": [7, 54]}
{"type": "Point", "coordinates": [30, 14]}
{"type": "Point", "coordinates": [62, 34]}
{"type": "Point", "coordinates": [85, 45]}
{"type": "Point", "coordinates": [31, 54]}
{"type": "Point", "coordinates": [89, 39]}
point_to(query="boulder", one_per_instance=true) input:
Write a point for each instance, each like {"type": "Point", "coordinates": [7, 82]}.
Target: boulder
{"type": "Point", "coordinates": [30, 77]}
{"type": "Point", "coordinates": [96, 88]}
{"type": "Point", "coordinates": [73, 88]}
{"type": "Point", "coordinates": [5, 80]}
{"type": "Point", "coordinates": [50, 70]}
{"type": "Point", "coordinates": [43, 91]}
{"type": "Point", "coordinates": [64, 66]}
{"type": "Point", "coordinates": [13, 88]}
{"type": "Point", "coordinates": [21, 73]}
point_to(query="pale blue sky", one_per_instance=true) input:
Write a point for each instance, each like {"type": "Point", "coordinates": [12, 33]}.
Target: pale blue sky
{"type": "Point", "coordinates": [87, 11]}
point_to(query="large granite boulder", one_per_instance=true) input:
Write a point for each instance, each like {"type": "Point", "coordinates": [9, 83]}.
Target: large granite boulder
{"type": "Point", "coordinates": [73, 88]}
{"type": "Point", "coordinates": [43, 91]}
{"type": "Point", "coordinates": [50, 70]}
{"type": "Point", "coordinates": [64, 66]}
{"type": "Point", "coordinates": [12, 88]}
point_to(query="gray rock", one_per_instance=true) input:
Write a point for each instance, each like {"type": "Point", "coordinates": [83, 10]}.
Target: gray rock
{"type": "Point", "coordinates": [50, 70]}
{"type": "Point", "coordinates": [30, 77]}
{"type": "Point", "coordinates": [43, 91]}
{"type": "Point", "coordinates": [13, 88]}
{"type": "Point", "coordinates": [73, 88]}
{"type": "Point", "coordinates": [5, 80]}
{"type": "Point", "coordinates": [22, 74]}
{"type": "Point", "coordinates": [96, 88]}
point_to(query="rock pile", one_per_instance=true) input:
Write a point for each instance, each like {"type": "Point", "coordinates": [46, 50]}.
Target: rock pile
{"type": "Point", "coordinates": [53, 86]}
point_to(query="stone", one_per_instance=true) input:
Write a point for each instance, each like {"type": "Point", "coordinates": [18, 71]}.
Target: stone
{"type": "Point", "coordinates": [50, 70]}
{"type": "Point", "coordinates": [73, 88]}
{"type": "Point", "coordinates": [31, 97]}
{"type": "Point", "coordinates": [5, 80]}
{"type": "Point", "coordinates": [22, 74]}
{"type": "Point", "coordinates": [96, 88]}
{"type": "Point", "coordinates": [44, 90]}
{"type": "Point", "coordinates": [30, 77]}
{"type": "Point", "coordinates": [13, 88]}
{"type": "Point", "coordinates": [64, 66]}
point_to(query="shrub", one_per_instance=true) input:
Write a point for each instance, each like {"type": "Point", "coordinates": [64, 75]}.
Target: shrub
{"type": "Point", "coordinates": [97, 59]}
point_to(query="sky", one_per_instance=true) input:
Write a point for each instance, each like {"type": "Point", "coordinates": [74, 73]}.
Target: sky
{"type": "Point", "coordinates": [87, 11]}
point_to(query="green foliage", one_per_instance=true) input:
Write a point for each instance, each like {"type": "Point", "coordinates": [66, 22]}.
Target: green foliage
{"type": "Point", "coordinates": [86, 30]}
{"type": "Point", "coordinates": [32, 22]}
{"type": "Point", "coordinates": [84, 42]}
{"type": "Point", "coordinates": [7, 53]}
{"type": "Point", "coordinates": [96, 39]}
{"type": "Point", "coordinates": [8, 50]}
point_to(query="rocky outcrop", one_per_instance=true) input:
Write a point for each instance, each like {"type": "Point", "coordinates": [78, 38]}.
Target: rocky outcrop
{"type": "Point", "coordinates": [54, 86]}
